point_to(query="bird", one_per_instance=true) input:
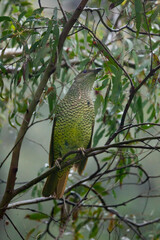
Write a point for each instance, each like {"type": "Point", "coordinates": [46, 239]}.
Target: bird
{"type": "Point", "coordinates": [72, 130]}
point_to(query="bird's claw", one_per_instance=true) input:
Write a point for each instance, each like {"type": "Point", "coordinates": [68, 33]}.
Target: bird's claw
{"type": "Point", "coordinates": [57, 162]}
{"type": "Point", "coordinates": [82, 151]}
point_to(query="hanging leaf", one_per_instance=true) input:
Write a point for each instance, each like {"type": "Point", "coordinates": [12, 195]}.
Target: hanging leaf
{"type": "Point", "coordinates": [117, 86]}
{"type": "Point", "coordinates": [138, 11]}
{"type": "Point", "coordinates": [51, 98]}
{"type": "Point", "coordinates": [5, 18]}
{"type": "Point", "coordinates": [36, 216]}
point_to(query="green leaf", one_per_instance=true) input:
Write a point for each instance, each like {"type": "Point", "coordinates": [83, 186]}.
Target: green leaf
{"type": "Point", "coordinates": [130, 44]}
{"type": "Point", "coordinates": [98, 135]}
{"type": "Point", "coordinates": [81, 224]}
{"type": "Point", "coordinates": [117, 86]}
{"type": "Point", "coordinates": [2, 68]}
{"type": "Point", "coordinates": [104, 84]}
{"type": "Point", "coordinates": [38, 11]}
{"type": "Point", "coordinates": [52, 99]}
{"type": "Point", "coordinates": [22, 107]}
{"type": "Point", "coordinates": [47, 33]}
{"type": "Point", "coordinates": [5, 37]}
{"type": "Point", "coordinates": [1, 86]}
{"type": "Point", "coordinates": [98, 187]}
{"type": "Point", "coordinates": [56, 39]}
{"type": "Point", "coordinates": [29, 234]}
{"type": "Point", "coordinates": [97, 103]}
{"type": "Point", "coordinates": [138, 11]}
{"type": "Point", "coordinates": [94, 230]}
{"type": "Point", "coordinates": [36, 216]}
{"type": "Point", "coordinates": [5, 18]}
{"type": "Point", "coordinates": [115, 3]}
{"type": "Point", "coordinates": [99, 3]}
{"type": "Point", "coordinates": [135, 57]}
{"type": "Point", "coordinates": [140, 109]}
{"type": "Point", "coordinates": [114, 193]}
{"type": "Point", "coordinates": [106, 52]}
{"type": "Point", "coordinates": [155, 13]}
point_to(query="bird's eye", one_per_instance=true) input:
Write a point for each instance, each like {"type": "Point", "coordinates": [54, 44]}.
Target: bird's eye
{"type": "Point", "coordinates": [84, 71]}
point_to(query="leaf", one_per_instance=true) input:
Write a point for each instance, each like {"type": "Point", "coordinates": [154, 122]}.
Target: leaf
{"type": "Point", "coordinates": [106, 52]}
{"type": "Point", "coordinates": [5, 37]}
{"type": "Point", "coordinates": [2, 68]}
{"type": "Point", "coordinates": [38, 11]}
{"type": "Point", "coordinates": [56, 39]}
{"type": "Point", "coordinates": [5, 18]}
{"type": "Point", "coordinates": [81, 224]}
{"type": "Point", "coordinates": [36, 216]}
{"type": "Point", "coordinates": [98, 135]}
{"type": "Point", "coordinates": [115, 3]}
{"type": "Point", "coordinates": [98, 187]}
{"type": "Point", "coordinates": [135, 57]}
{"type": "Point", "coordinates": [117, 86]}
{"type": "Point", "coordinates": [114, 193]}
{"type": "Point", "coordinates": [29, 234]}
{"type": "Point", "coordinates": [10, 116]}
{"type": "Point", "coordinates": [98, 102]}
{"type": "Point", "coordinates": [1, 85]}
{"type": "Point", "coordinates": [47, 33]}
{"type": "Point", "coordinates": [138, 11]}
{"type": "Point", "coordinates": [51, 98]}
{"type": "Point", "coordinates": [155, 13]}
{"type": "Point", "coordinates": [94, 230]}
{"type": "Point", "coordinates": [140, 109]}
{"type": "Point", "coordinates": [112, 224]}
{"type": "Point", "coordinates": [22, 106]}
{"type": "Point", "coordinates": [21, 15]}
{"type": "Point", "coordinates": [130, 44]}
{"type": "Point", "coordinates": [104, 84]}
{"type": "Point", "coordinates": [99, 3]}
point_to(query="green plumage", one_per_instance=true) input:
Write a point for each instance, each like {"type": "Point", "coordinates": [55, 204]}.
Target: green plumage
{"type": "Point", "coordinates": [72, 129]}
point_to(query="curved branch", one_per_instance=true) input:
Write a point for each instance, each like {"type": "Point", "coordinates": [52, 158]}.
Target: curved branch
{"type": "Point", "coordinates": [9, 191]}
{"type": "Point", "coordinates": [133, 91]}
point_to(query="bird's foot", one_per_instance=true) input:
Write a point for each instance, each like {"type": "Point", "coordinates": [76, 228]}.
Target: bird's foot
{"type": "Point", "coordinates": [58, 160]}
{"type": "Point", "coordinates": [82, 151]}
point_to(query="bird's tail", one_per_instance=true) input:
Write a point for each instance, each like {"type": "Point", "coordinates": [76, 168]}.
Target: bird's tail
{"type": "Point", "coordinates": [80, 166]}
{"type": "Point", "coordinates": [55, 185]}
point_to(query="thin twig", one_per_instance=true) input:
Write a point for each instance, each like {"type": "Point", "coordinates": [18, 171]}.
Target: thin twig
{"type": "Point", "coordinates": [14, 226]}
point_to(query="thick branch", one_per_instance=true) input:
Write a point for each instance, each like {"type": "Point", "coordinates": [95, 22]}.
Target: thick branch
{"type": "Point", "coordinates": [88, 152]}
{"type": "Point", "coordinates": [9, 192]}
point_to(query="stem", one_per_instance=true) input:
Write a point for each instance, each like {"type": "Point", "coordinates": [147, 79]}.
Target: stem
{"type": "Point", "coordinates": [9, 191]}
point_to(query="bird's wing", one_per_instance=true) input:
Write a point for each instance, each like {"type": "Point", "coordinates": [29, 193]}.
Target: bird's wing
{"type": "Point", "coordinates": [80, 166]}
{"type": "Point", "coordinates": [51, 151]}
{"type": "Point", "coordinates": [89, 144]}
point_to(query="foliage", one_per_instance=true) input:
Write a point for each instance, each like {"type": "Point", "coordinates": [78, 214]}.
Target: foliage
{"type": "Point", "coordinates": [122, 37]}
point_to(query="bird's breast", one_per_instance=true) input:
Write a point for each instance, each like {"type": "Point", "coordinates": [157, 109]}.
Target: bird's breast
{"type": "Point", "coordinates": [74, 123]}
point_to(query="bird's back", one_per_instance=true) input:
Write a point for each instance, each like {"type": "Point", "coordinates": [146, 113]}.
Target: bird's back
{"type": "Point", "coordinates": [73, 124]}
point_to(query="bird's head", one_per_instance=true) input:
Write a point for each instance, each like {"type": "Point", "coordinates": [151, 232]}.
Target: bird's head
{"type": "Point", "coordinates": [87, 77]}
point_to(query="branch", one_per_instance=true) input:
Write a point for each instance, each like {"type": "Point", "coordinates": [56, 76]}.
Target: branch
{"type": "Point", "coordinates": [118, 29]}
{"type": "Point", "coordinates": [133, 91]}
{"type": "Point", "coordinates": [14, 226]}
{"type": "Point", "coordinates": [9, 191]}
{"type": "Point", "coordinates": [28, 202]}
{"type": "Point", "coordinates": [47, 173]}
{"type": "Point", "coordinates": [88, 153]}
{"type": "Point", "coordinates": [105, 50]}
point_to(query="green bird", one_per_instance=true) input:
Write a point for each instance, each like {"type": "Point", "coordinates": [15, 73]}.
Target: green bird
{"type": "Point", "coordinates": [72, 129]}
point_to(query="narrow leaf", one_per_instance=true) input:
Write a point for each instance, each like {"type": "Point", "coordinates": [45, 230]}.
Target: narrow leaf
{"type": "Point", "coordinates": [138, 11]}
